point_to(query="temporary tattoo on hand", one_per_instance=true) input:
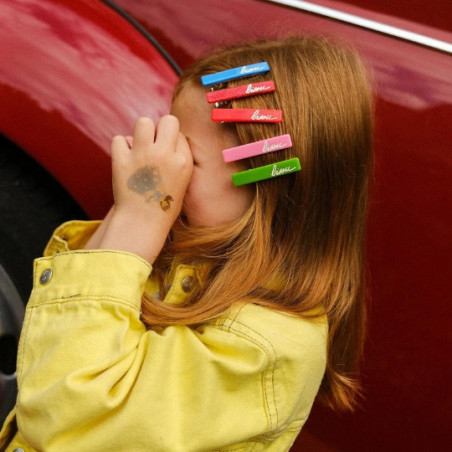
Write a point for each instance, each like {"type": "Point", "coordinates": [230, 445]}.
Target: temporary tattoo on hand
{"type": "Point", "coordinates": [147, 181]}
{"type": "Point", "coordinates": [165, 203]}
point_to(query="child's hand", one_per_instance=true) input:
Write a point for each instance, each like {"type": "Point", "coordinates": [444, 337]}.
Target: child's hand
{"type": "Point", "coordinates": [150, 177]}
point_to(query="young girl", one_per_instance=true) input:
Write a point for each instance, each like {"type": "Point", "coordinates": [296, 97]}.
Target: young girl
{"type": "Point", "coordinates": [220, 336]}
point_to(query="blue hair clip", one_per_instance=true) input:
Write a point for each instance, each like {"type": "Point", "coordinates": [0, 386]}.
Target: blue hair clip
{"type": "Point", "coordinates": [232, 74]}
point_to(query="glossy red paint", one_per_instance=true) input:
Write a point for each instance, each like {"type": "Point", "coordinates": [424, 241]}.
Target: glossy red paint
{"type": "Point", "coordinates": [437, 15]}
{"type": "Point", "coordinates": [205, 24]}
{"type": "Point", "coordinates": [100, 73]}
{"type": "Point", "coordinates": [76, 75]}
{"type": "Point", "coordinates": [433, 21]}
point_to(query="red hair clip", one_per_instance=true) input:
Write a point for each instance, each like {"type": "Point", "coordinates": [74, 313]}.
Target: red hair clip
{"type": "Point", "coordinates": [245, 115]}
{"type": "Point", "coordinates": [252, 89]}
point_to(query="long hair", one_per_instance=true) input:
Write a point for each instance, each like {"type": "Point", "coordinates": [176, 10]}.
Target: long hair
{"type": "Point", "coordinates": [300, 245]}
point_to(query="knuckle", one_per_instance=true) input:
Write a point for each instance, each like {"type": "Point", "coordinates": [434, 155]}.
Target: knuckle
{"type": "Point", "coordinates": [185, 161]}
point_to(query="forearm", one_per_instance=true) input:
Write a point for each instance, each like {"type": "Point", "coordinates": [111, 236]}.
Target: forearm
{"type": "Point", "coordinates": [96, 238]}
{"type": "Point", "coordinates": [135, 233]}
{"type": "Point", "coordinates": [129, 232]}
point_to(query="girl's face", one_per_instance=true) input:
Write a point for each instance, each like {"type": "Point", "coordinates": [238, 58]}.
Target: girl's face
{"type": "Point", "coordinates": [211, 199]}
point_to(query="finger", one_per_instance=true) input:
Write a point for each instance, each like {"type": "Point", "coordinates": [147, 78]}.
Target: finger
{"type": "Point", "coordinates": [129, 140]}
{"type": "Point", "coordinates": [185, 155]}
{"type": "Point", "coordinates": [119, 147]}
{"type": "Point", "coordinates": [119, 151]}
{"type": "Point", "coordinates": [167, 134]}
{"type": "Point", "coordinates": [182, 144]}
{"type": "Point", "coordinates": [143, 133]}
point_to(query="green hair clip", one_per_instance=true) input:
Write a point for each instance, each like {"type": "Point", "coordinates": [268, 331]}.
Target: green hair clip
{"type": "Point", "coordinates": [266, 172]}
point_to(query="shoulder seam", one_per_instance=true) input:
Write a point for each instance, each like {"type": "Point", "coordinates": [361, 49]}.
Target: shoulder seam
{"type": "Point", "coordinates": [240, 329]}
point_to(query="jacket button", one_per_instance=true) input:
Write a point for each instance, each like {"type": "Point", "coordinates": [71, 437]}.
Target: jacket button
{"type": "Point", "coordinates": [18, 449]}
{"type": "Point", "coordinates": [46, 276]}
{"type": "Point", "coordinates": [187, 284]}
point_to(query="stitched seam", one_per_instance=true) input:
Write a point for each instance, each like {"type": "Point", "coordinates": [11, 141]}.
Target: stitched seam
{"type": "Point", "coordinates": [170, 293]}
{"type": "Point", "coordinates": [23, 335]}
{"type": "Point", "coordinates": [273, 367]}
{"type": "Point", "coordinates": [243, 448]}
{"type": "Point", "coordinates": [252, 445]}
{"type": "Point", "coordinates": [122, 253]}
{"type": "Point", "coordinates": [291, 428]}
{"type": "Point", "coordinates": [221, 322]}
{"type": "Point", "coordinates": [172, 289]}
{"type": "Point", "coordinates": [249, 446]}
{"type": "Point", "coordinates": [267, 352]}
{"type": "Point", "coordinates": [272, 371]}
{"type": "Point", "coordinates": [22, 342]}
{"type": "Point", "coordinates": [78, 298]}
{"type": "Point", "coordinates": [239, 310]}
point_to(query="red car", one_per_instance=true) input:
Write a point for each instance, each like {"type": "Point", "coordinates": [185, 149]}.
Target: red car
{"type": "Point", "coordinates": [75, 73]}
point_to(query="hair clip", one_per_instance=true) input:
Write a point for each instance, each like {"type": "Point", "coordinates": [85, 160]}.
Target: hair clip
{"type": "Point", "coordinates": [251, 89]}
{"type": "Point", "coordinates": [232, 74]}
{"type": "Point", "coordinates": [266, 172]}
{"type": "Point", "coordinates": [245, 115]}
{"type": "Point", "coordinates": [257, 148]}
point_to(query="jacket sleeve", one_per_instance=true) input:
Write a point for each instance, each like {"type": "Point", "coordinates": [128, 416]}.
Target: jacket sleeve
{"type": "Point", "coordinates": [71, 235]}
{"type": "Point", "coordinates": [91, 376]}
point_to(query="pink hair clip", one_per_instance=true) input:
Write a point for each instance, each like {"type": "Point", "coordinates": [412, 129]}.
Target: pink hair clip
{"type": "Point", "coordinates": [257, 148]}
{"type": "Point", "coordinates": [251, 89]}
{"type": "Point", "coordinates": [245, 115]}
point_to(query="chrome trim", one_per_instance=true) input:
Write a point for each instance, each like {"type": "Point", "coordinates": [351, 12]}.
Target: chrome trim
{"type": "Point", "coordinates": [367, 23]}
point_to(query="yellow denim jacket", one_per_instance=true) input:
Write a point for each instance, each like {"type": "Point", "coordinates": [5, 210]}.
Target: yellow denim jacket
{"type": "Point", "coordinates": [91, 377]}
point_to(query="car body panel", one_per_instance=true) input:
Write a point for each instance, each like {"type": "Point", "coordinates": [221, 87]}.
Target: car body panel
{"type": "Point", "coordinates": [85, 75]}
{"type": "Point", "coordinates": [104, 74]}
{"type": "Point", "coordinates": [436, 15]}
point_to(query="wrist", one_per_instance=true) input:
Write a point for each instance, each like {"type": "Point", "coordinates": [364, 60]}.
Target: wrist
{"type": "Point", "coordinates": [136, 233]}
